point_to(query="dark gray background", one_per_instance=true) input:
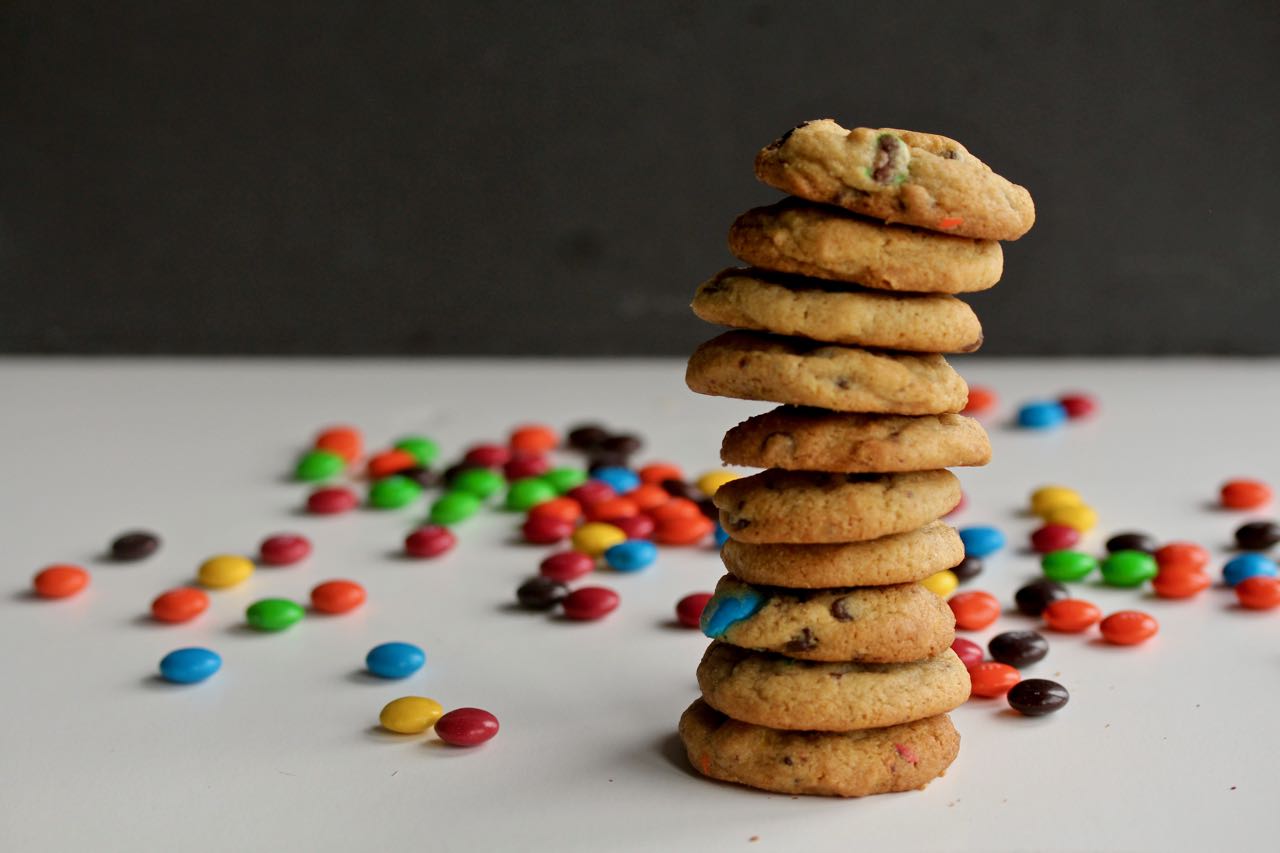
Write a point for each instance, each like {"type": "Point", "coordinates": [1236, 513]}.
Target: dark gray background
{"type": "Point", "coordinates": [528, 177]}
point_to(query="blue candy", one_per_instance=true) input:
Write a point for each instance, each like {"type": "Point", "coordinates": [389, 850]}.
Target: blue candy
{"type": "Point", "coordinates": [621, 480]}
{"type": "Point", "coordinates": [1248, 566]}
{"type": "Point", "coordinates": [395, 660]}
{"type": "Point", "coordinates": [722, 535]}
{"type": "Point", "coordinates": [981, 541]}
{"type": "Point", "coordinates": [188, 666]}
{"type": "Point", "coordinates": [726, 608]}
{"type": "Point", "coordinates": [1042, 414]}
{"type": "Point", "coordinates": [632, 555]}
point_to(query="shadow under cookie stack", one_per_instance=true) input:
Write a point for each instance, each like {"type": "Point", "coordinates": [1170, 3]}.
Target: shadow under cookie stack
{"type": "Point", "coordinates": [830, 669]}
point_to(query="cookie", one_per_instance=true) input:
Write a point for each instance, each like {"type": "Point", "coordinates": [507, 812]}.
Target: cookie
{"type": "Point", "coordinates": [782, 693]}
{"type": "Point", "coordinates": [879, 624]}
{"type": "Point", "coordinates": [755, 366]}
{"type": "Point", "coordinates": [844, 764]}
{"type": "Point", "coordinates": [898, 558]}
{"type": "Point", "coordinates": [802, 439]}
{"type": "Point", "coordinates": [805, 507]}
{"type": "Point", "coordinates": [897, 176]}
{"type": "Point", "coordinates": [826, 242]}
{"type": "Point", "coordinates": [837, 313]}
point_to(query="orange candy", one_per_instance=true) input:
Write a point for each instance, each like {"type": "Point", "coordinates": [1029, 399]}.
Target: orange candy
{"type": "Point", "coordinates": [559, 509]}
{"type": "Point", "coordinates": [990, 679]}
{"type": "Point", "coordinates": [390, 462]}
{"type": "Point", "coordinates": [1180, 583]}
{"type": "Point", "coordinates": [648, 496]}
{"type": "Point", "coordinates": [533, 438]}
{"type": "Point", "coordinates": [974, 610]}
{"type": "Point", "coordinates": [1129, 627]}
{"type": "Point", "coordinates": [1245, 494]}
{"type": "Point", "coordinates": [675, 508]}
{"type": "Point", "coordinates": [1182, 555]}
{"type": "Point", "coordinates": [610, 508]}
{"type": "Point", "coordinates": [337, 596]}
{"type": "Point", "coordinates": [1071, 615]}
{"type": "Point", "coordinates": [656, 472]}
{"type": "Point", "coordinates": [980, 400]}
{"type": "Point", "coordinates": [687, 530]}
{"type": "Point", "coordinates": [1259, 592]}
{"type": "Point", "coordinates": [342, 440]}
{"type": "Point", "coordinates": [179, 605]}
{"type": "Point", "coordinates": [60, 581]}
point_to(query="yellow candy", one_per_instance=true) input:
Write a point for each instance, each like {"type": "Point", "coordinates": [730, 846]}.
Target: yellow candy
{"type": "Point", "coordinates": [224, 570]}
{"type": "Point", "coordinates": [941, 583]}
{"type": "Point", "coordinates": [1081, 517]}
{"type": "Point", "coordinates": [596, 537]}
{"type": "Point", "coordinates": [410, 715]}
{"type": "Point", "coordinates": [709, 482]}
{"type": "Point", "coordinates": [1046, 499]}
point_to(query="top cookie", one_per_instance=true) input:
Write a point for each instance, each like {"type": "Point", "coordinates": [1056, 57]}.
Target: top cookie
{"type": "Point", "coordinates": [897, 176]}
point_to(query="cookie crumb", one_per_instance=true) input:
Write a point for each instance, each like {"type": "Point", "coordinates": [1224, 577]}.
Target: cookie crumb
{"type": "Point", "coordinates": [753, 839]}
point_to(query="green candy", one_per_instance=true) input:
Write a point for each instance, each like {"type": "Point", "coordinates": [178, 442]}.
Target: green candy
{"type": "Point", "coordinates": [481, 482]}
{"type": "Point", "coordinates": [527, 493]}
{"type": "Point", "coordinates": [1067, 565]}
{"type": "Point", "coordinates": [564, 479]}
{"type": "Point", "coordinates": [317, 465]}
{"type": "Point", "coordinates": [1128, 568]}
{"type": "Point", "coordinates": [453, 507]}
{"type": "Point", "coordinates": [273, 614]}
{"type": "Point", "coordinates": [394, 492]}
{"type": "Point", "coordinates": [423, 449]}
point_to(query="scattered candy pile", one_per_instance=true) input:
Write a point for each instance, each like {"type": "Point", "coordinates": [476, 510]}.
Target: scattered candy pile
{"type": "Point", "coordinates": [1035, 414]}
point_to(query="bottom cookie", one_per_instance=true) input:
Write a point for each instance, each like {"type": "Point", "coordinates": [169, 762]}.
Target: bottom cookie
{"type": "Point", "coordinates": [833, 764]}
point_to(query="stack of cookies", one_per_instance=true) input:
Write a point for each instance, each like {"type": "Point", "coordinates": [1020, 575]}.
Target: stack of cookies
{"type": "Point", "coordinates": [830, 670]}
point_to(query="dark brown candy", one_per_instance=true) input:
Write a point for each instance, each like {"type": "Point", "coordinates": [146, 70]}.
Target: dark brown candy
{"type": "Point", "coordinates": [451, 473]}
{"type": "Point", "coordinates": [709, 509]}
{"type": "Point", "coordinates": [967, 569]}
{"type": "Point", "coordinates": [541, 593]}
{"type": "Point", "coordinates": [622, 443]}
{"type": "Point", "coordinates": [598, 459]}
{"type": "Point", "coordinates": [1036, 697]}
{"type": "Point", "coordinates": [424, 477]}
{"type": "Point", "coordinates": [1018, 648]}
{"type": "Point", "coordinates": [134, 545]}
{"type": "Point", "coordinates": [1132, 541]}
{"type": "Point", "coordinates": [681, 489]}
{"type": "Point", "coordinates": [587, 436]}
{"type": "Point", "coordinates": [1258, 535]}
{"type": "Point", "coordinates": [1033, 598]}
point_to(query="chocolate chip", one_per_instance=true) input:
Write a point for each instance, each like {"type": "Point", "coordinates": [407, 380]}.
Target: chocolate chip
{"type": "Point", "coordinates": [840, 609]}
{"type": "Point", "coordinates": [843, 383]}
{"type": "Point", "coordinates": [882, 167]}
{"type": "Point", "coordinates": [786, 759]}
{"type": "Point", "coordinates": [802, 642]}
{"type": "Point", "coordinates": [740, 523]}
{"type": "Point", "coordinates": [951, 154]}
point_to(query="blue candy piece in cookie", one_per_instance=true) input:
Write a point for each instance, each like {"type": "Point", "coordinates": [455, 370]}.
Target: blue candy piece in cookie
{"type": "Point", "coordinates": [729, 607]}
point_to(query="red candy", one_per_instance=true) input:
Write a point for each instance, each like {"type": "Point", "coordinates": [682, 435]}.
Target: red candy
{"type": "Point", "coordinates": [689, 609]}
{"type": "Point", "coordinates": [688, 530]}
{"type": "Point", "coordinates": [1128, 627]}
{"type": "Point", "coordinates": [590, 602]}
{"type": "Point", "coordinates": [390, 462]}
{"type": "Point", "coordinates": [612, 508]}
{"type": "Point", "coordinates": [981, 399]}
{"type": "Point", "coordinates": [1078, 405]}
{"type": "Point", "coordinates": [990, 679]}
{"type": "Point", "coordinates": [655, 472]}
{"type": "Point", "coordinates": [466, 727]}
{"type": "Point", "coordinates": [1180, 583]}
{"type": "Point", "coordinates": [974, 610]}
{"type": "Point", "coordinates": [1071, 615]}
{"type": "Point", "coordinates": [487, 456]}
{"type": "Point", "coordinates": [592, 491]}
{"type": "Point", "coordinates": [429, 541]}
{"type": "Point", "coordinates": [561, 509]}
{"type": "Point", "coordinates": [648, 496]}
{"type": "Point", "coordinates": [522, 465]}
{"type": "Point", "coordinates": [179, 605]}
{"type": "Point", "coordinates": [546, 530]}
{"type": "Point", "coordinates": [338, 596]}
{"type": "Point", "coordinates": [567, 566]}
{"type": "Point", "coordinates": [342, 440]}
{"type": "Point", "coordinates": [960, 505]}
{"type": "Point", "coordinates": [636, 527]}
{"type": "Point", "coordinates": [60, 581]}
{"type": "Point", "coordinates": [283, 549]}
{"type": "Point", "coordinates": [1245, 494]}
{"type": "Point", "coordinates": [332, 500]}
{"type": "Point", "coordinates": [1259, 592]}
{"type": "Point", "coordinates": [1054, 537]}
{"type": "Point", "coordinates": [969, 652]}
{"type": "Point", "coordinates": [533, 438]}
{"type": "Point", "coordinates": [1182, 555]}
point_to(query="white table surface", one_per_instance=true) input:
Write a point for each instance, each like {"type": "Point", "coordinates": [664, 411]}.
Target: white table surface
{"type": "Point", "coordinates": [1170, 746]}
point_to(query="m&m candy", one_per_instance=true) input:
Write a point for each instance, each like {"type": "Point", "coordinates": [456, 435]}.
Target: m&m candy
{"type": "Point", "coordinates": [689, 609]}
{"type": "Point", "coordinates": [1128, 627]}
{"type": "Point", "coordinates": [1041, 414]}
{"type": "Point", "coordinates": [992, 678]}
{"type": "Point", "coordinates": [1244, 494]}
{"type": "Point", "coordinates": [134, 545]}
{"type": "Point", "coordinates": [1071, 615]}
{"type": "Point", "coordinates": [981, 541]}
{"type": "Point", "coordinates": [410, 715]}
{"type": "Point", "coordinates": [1259, 592]}
{"type": "Point", "coordinates": [589, 603]}
{"type": "Point", "coordinates": [429, 541]}
{"type": "Point", "coordinates": [466, 727]}
{"type": "Point", "coordinates": [189, 666]}
{"type": "Point", "coordinates": [273, 614]}
{"type": "Point", "coordinates": [395, 660]}
{"type": "Point", "coordinates": [1248, 565]}
{"type": "Point", "coordinates": [1036, 697]}
{"type": "Point", "coordinates": [332, 501]}
{"type": "Point", "coordinates": [337, 596]}
{"type": "Point", "coordinates": [974, 610]}
{"type": "Point", "coordinates": [60, 581]}
{"type": "Point", "coordinates": [596, 537]}
{"type": "Point", "coordinates": [283, 549]}
{"type": "Point", "coordinates": [224, 570]}
{"type": "Point", "coordinates": [179, 605]}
